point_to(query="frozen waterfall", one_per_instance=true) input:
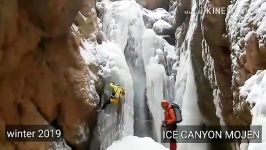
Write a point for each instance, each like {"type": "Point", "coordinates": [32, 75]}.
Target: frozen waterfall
{"type": "Point", "coordinates": [146, 64]}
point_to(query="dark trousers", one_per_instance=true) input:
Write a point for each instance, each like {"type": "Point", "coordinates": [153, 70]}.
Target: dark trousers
{"type": "Point", "coordinates": [107, 102]}
{"type": "Point", "coordinates": [173, 145]}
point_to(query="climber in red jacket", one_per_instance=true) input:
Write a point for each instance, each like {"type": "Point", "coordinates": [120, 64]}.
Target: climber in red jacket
{"type": "Point", "coordinates": [169, 121]}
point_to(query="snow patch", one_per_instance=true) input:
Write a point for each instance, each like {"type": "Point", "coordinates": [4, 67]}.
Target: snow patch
{"type": "Point", "coordinates": [136, 143]}
{"type": "Point", "coordinates": [254, 92]}
{"type": "Point", "coordinates": [161, 25]}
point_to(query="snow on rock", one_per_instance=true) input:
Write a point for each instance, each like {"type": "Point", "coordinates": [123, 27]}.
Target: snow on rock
{"type": "Point", "coordinates": [245, 23]}
{"type": "Point", "coordinates": [136, 143]}
{"type": "Point", "coordinates": [254, 88]}
{"type": "Point", "coordinates": [244, 14]}
{"type": "Point", "coordinates": [243, 17]}
{"type": "Point", "coordinates": [151, 16]}
{"type": "Point", "coordinates": [60, 145]}
{"type": "Point", "coordinates": [158, 13]}
{"type": "Point", "coordinates": [87, 52]}
{"type": "Point", "coordinates": [246, 29]}
{"type": "Point", "coordinates": [160, 26]}
{"type": "Point", "coordinates": [254, 92]}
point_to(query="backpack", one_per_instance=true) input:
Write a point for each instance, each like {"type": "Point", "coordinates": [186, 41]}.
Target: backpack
{"type": "Point", "coordinates": [177, 112]}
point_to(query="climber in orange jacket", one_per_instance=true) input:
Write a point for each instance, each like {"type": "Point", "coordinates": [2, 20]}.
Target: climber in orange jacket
{"type": "Point", "coordinates": [169, 121]}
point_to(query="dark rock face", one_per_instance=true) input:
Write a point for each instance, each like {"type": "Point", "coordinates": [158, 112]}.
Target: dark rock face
{"type": "Point", "coordinates": [53, 17]}
{"type": "Point", "coordinates": [153, 4]}
{"type": "Point", "coordinates": [181, 7]}
{"type": "Point", "coordinates": [43, 77]}
{"type": "Point", "coordinates": [204, 87]}
{"type": "Point", "coordinates": [218, 46]}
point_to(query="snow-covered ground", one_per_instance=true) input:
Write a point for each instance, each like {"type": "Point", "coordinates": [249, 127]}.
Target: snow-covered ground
{"type": "Point", "coordinates": [136, 143]}
{"type": "Point", "coordinates": [254, 90]}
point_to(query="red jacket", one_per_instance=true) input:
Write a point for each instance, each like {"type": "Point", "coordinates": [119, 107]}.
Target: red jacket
{"type": "Point", "coordinates": [169, 115]}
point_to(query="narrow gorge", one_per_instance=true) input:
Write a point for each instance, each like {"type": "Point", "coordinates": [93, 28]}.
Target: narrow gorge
{"type": "Point", "coordinates": [57, 58]}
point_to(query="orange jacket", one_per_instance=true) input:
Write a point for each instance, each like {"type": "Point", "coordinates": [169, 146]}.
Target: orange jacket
{"type": "Point", "coordinates": [169, 115]}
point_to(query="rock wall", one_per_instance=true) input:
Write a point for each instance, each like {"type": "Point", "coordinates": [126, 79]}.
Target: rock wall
{"type": "Point", "coordinates": [246, 26]}
{"type": "Point", "coordinates": [227, 49]}
{"type": "Point", "coordinates": [217, 48]}
{"type": "Point", "coordinates": [190, 37]}
{"type": "Point", "coordinates": [43, 79]}
{"type": "Point", "coordinates": [153, 4]}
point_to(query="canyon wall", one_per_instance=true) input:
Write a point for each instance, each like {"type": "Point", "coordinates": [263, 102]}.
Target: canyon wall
{"type": "Point", "coordinates": [245, 23]}
{"type": "Point", "coordinates": [227, 48]}
{"type": "Point", "coordinates": [43, 79]}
